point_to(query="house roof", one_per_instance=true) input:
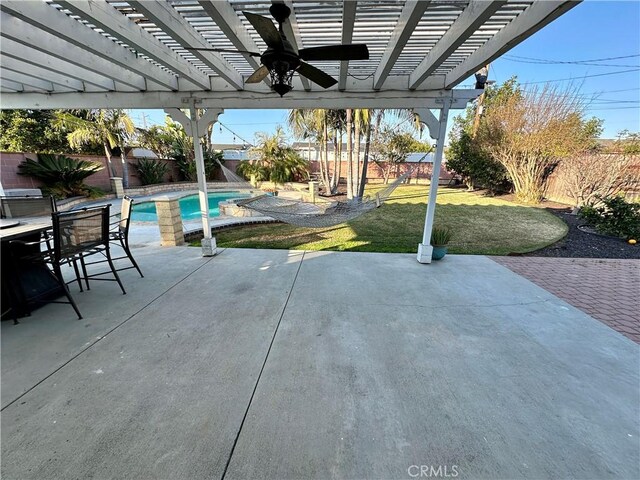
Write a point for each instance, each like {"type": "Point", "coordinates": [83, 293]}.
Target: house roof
{"type": "Point", "coordinates": [131, 54]}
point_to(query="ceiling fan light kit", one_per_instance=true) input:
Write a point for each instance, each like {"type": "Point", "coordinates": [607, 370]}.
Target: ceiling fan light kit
{"type": "Point", "coordinates": [281, 60]}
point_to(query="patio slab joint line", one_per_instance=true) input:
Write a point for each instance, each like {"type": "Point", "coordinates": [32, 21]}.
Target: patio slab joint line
{"type": "Point", "coordinates": [102, 337]}
{"type": "Point", "coordinates": [255, 387]}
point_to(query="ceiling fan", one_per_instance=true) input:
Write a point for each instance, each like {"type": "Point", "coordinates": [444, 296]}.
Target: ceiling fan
{"type": "Point", "coordinates": [281, 59]}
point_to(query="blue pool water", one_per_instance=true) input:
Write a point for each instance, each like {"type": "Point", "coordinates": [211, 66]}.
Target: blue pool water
{"type": "Point", "coordinates": [189, 207]}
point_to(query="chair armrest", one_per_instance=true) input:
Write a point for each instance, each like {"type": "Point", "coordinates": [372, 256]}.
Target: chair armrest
{"type": "Point", "coordinates": [29, 244]}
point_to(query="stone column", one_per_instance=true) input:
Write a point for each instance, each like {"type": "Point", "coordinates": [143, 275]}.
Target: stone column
{"type": "Point", "coordinates": [116, 186]}
{"type": "Point", "coordinates": [313, 191]}
{"type": "Point", "coordinates": [169, 221]}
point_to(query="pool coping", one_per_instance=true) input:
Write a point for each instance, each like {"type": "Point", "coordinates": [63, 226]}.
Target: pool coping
{"type": "Point", "coordinates": [179, 195]}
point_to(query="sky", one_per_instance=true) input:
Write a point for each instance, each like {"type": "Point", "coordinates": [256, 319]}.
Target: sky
{"type": "Point", "coordinates": [595, 33]}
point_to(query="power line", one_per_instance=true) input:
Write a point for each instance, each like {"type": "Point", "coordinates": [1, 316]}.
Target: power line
{"type": "Point", "coordinates": [611, 108]}
{"type": "Point", "coordinates": [580, 78]}
{"type": "Point", "coordinates": [573, 62]}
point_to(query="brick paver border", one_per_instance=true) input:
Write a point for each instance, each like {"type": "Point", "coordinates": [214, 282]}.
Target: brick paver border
{"type": "Point", "coordinates": [606, 289]}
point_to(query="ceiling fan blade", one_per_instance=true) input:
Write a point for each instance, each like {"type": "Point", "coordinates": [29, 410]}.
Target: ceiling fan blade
{"type": "Point", "coordinates": [316, 75]}
{"type": "Point", "coordinates": [259, 75]}
{"type": "Point", "coordinates": [222, 50]}
{"type": "Point", "coordinates": [265, 28]}
{"type": "Point", "coordinates": [335, 52]}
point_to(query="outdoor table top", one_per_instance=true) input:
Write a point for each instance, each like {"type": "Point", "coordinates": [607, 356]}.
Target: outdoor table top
{"type": "Point", "coordinates": [22, 229]}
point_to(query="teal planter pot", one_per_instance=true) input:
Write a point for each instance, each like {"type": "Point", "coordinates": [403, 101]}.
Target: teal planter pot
{"type": "Point", "coordinates": [438, 253]}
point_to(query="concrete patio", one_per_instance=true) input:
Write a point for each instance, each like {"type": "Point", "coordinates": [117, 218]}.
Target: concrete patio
{"type": "Point", "coordinates": [278, 364]}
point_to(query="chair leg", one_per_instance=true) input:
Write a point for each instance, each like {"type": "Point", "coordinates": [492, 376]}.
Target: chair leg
{"type": "Point", "coordinates": [58, 273]}
{"type": "Point", "coordinates": [125, 247]}
{"type": "Point", "coordinates": [113, 269]}
{"type": "Point", "coordinates": [77, 271]}
{"type": "Point", "coordinates": [84, 271]}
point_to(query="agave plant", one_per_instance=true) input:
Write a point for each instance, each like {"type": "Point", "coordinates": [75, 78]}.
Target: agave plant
{"type": "Point", "coordinates": [61, 176]}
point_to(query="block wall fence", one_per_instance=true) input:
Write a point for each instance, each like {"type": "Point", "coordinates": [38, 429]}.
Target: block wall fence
{"type": "Point", "coordinates": [9, 177]}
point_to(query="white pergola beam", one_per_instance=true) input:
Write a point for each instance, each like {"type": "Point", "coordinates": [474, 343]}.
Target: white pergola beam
{"type": "Point", "coordinates": [18, 77]}
{"type": "Point", "coordinates": [11, 85]}
{"type": "Point", "coordinates": [335, 99]}
{"type": "Point", "coordinates": [535, 17]}
{"type": "Point", "coordinates": [49, 19]}
{"type": "Point", "coordinates": [10, 48]}
{"type": "Point", "coordinates": [292, 32]}
{"type": "Point", "coordinates": [409, 18]}
{"type": "Point", "coordinates": [106, 17]}
{"type": "Point", "coordinates": [348, 22]}
{"type": "Point", "coordinates": [23, 33]}
{"type": "Point", "coordinates": [173, 24]}
{"type": "Point", "coordinates": [228, 21]}
{"type": "Point", "coordinates": [476, 14]}
{"type": "Point", "coordinates": [19, 66]}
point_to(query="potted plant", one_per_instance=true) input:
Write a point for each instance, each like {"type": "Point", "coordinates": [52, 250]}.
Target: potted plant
{"type": "Point", "coordinates": [440, 237]}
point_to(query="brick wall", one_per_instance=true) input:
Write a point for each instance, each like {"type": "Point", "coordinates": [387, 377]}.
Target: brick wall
{"type": "Point", "coordinates": [9, 177]}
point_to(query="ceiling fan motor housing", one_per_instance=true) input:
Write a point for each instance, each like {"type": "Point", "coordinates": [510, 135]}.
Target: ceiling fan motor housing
{"type": "Point", "coordinates": [281, 64]}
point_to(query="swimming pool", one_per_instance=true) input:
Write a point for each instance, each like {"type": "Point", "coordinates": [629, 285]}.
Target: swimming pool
{"type": "Point", "coordinates": [189, 207]}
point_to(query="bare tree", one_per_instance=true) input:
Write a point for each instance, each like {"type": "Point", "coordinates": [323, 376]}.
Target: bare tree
{"type": "Point", "coordinates": [530, 132]}
{"type": "Point", "coordinates": [588, 176]}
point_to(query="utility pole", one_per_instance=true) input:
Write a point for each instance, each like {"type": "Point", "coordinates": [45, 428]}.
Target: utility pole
{"type": "Point", "coordinates": [479, 104]}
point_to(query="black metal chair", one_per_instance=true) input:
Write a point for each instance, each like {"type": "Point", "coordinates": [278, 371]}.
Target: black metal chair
{"type": "Point", "coordinates": [76, 235]}
{"type": "Point", "coordinates": [119, 234]}
{"type": "Point", "coordinates": [21, 207]}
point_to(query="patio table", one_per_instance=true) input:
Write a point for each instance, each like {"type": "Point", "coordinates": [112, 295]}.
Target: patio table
{"type": "Point", "coordinates": [34, 280]}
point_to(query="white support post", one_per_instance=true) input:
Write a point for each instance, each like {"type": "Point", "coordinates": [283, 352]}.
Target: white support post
{"type": "Point", "coordinates": [196, 127]}
{"type": "Point", "coordinates": [425, 250]}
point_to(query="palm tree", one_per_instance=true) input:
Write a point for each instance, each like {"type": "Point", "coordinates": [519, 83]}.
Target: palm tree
{"type": "Point", "coordinates": [112, 128]}
{"type": "Point", "coordinates": [336, 120]}
{"type": "Point", "coordinates": [362, 120]}
{"type": "Point", "coordinates": [313, 124]}
{"type": "Point", "coordinates": [274, 160]}
{"type": "Point", "coordinates": [372, 128]}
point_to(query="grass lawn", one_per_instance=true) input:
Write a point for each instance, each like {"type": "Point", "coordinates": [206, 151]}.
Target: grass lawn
{"type": "Point", "coordinates": [480, 225]}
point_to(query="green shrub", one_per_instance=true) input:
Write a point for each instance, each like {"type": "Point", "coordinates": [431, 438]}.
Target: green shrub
{"type": "Point", "coordinates": [151, 171]}
{"type": "Point", "coordinates": [247, 168]}
{"type": "Point", "coordinates": [614, 216]}
{"type": "Point", "coordinates": [62, 176]}
{"type": "Point", "coordinates": [440, 236]}
{"type": "Point", "coordinates": [476, 167]}
{"type": "Point", "coordinates": [289, 166]}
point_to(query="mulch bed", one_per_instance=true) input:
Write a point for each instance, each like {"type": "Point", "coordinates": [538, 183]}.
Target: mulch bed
{"type": "Point", "coordinates": [582, 244]}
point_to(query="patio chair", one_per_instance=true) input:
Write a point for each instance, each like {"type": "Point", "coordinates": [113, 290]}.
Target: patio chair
{"type": "Point", "coordinates": [76, 235]}
{"type": "Point", "coordinates": [119, 234]}
{"type": "Point", "coordinates": [22, 207]}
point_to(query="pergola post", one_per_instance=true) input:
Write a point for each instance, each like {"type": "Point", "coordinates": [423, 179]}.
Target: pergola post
{"type": "Point", "coordinates": [196, 127]}
{"type": "Point", "coordinates": [437, 130]}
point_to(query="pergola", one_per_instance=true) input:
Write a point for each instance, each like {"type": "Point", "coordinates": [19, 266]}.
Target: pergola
{"type": "Point", "coordinates": [131, 54]}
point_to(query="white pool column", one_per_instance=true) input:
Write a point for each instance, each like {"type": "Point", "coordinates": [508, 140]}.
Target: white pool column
{"type": "Point", "coordinates": [196, 126]}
